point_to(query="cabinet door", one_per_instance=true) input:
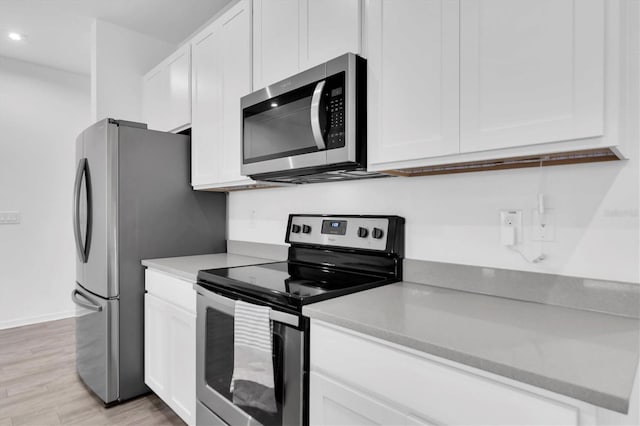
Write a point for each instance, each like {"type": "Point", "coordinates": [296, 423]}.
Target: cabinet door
{"type": "Point", "coordinates": [207, 104]}
{"type": "Point", "coordinates": [170, 355]}
{"type": "Point", "coordinates": [531, 72]}
{"type": "Point", "coordinates": [182, 363]}
{"type": "Point", "coordinates": [235, 83]}
{"type": "Point", "coordinates": [328, 28]}
{"type": "Point", "coordinates": [156, 373]}
{"type": "Point", "coordinates": [166, 93]}
{"type": "Point", "coordinates": [154, 98]}
{"type": "Point", "coordinates": [179, 89]}
{"type": "Point", "coordinates": [412, 51]}
{"type": "Point", "coordinates": [275, 41]}
{"type": "Point", "coordinates": [333, 403]}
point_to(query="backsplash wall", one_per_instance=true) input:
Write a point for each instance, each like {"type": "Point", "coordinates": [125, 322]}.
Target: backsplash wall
{"type": "Point", "coordinates": [455, 218]}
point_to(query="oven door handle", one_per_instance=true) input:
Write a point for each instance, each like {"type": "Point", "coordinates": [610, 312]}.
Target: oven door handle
{"type": "Point", "coordinates": [227, 305]}
{"type": "Point", "coordinates": [315, 116]}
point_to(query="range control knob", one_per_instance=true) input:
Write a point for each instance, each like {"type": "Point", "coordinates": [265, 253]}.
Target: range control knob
{"type": "Point", "coordinates": [377, 233]}
{"type": "Point", "coordinates": [363, 232]}
{"type": "Point", "coordinates": [306, 229]}
{"type": "Point", "coordinates": [295, 229]}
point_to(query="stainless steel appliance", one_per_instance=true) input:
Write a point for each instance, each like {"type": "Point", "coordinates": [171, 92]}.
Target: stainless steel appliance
{"type": "Point", "coordinates": [329, 256]}
{"type": "Point", "coordinates": [310, 127]}
{"type": "Point", "coordinates": [132, 200]}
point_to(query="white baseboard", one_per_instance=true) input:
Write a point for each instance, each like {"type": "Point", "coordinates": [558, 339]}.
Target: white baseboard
{"type": "Point", "coordinates": [36, 319]}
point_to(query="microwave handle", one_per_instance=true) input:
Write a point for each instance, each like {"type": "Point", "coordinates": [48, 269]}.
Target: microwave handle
{"type": "Point", "coordinates": [315, 116]}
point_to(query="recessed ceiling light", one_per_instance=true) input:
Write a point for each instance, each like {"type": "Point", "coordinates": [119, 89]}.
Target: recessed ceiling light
{"type": "Point", "coordinates": [15, 36]}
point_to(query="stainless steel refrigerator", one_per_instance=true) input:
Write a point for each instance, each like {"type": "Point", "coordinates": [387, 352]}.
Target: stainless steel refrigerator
{"type": "Point", "coordinates": [132, 201]}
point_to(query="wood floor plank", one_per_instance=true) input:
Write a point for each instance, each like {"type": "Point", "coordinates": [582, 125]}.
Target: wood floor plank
{"type": "Point", "coordinates": [39, 384]}
{"type": "Point", "coordinates": [37, 418]}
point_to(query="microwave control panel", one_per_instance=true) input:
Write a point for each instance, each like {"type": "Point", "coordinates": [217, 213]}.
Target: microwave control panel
{"type": "Point", "coordinates": [336, 113]}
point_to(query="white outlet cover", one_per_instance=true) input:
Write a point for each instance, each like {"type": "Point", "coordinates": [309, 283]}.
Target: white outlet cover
{"type": "Point", "coordinates": [543, 225]}
{"type": "Point", "coordinates": [510, 227]}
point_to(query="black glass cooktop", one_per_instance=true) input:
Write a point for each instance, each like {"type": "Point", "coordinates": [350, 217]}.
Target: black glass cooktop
{"type": "Point", "coordinates": [288, 284]}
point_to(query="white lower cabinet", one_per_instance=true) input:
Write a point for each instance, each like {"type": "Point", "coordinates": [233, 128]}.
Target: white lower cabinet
{"type": "Point", "coordinates": [170, 342]}
{"type": "Point", "coordinates": [358, 380]}
{"type": "Point", "coordinates": [333, 403]}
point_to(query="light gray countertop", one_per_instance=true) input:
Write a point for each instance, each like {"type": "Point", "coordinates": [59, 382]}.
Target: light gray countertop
{"type": "Point", "coordinates": [586, 355]}
{"type": "Point", "coordinates": [187, 267]}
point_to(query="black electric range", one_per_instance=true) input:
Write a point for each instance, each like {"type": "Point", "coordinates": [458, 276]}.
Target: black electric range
{"type": "Point", "coordinates": [330, 256]}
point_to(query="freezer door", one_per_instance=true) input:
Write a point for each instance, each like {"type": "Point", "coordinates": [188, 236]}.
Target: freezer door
{"type": "Point", "coordinates": [97, 343]}
{"type": "Point", "coordinates": [97, 222]}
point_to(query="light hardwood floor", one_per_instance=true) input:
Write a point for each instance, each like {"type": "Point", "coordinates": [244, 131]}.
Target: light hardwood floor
{"type": "Point", "coordinates": [39, 385]}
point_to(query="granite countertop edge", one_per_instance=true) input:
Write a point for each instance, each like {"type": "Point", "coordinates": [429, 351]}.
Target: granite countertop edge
{"type": "Point", "coordinates": [212, 261]}
{"type": "Point", "coordinates": [177, 273]}
{"type": "Point", "coordinates": [600, 399]}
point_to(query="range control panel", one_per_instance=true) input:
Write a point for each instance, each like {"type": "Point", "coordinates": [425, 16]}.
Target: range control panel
{"type": "Point", "coordinates": [357, 232]}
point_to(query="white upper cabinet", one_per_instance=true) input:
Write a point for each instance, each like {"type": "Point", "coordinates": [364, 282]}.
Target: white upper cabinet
{"type": "Point", "coordinates": [236, 82]}
{"type": "Point", "coordinates": [206, 113]}
{"type": "Point", "coordinates": [531, 72]}
{"type": "Point", "coordinates": [290, 36]}
{"type": "Point", "coordinates": [154, 98]}
{"type": "Point", "coordinates": [412, 53]}
{"type": "Point", "coordinates": [468, 84]}
{"type": "Point", "coordinates": [329, 28]}
{"type": "Point", "coordinates": [166, 93]}
{"type": "Point", "coordinates": [180, 89]}
{"type": "Point", "coordinates": [221, 74]}
{"type": "Point", "coordinates": [275, 40]}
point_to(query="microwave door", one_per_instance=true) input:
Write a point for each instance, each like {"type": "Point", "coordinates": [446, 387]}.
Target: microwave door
{"type": "Point", "coordinates": [285, 132]}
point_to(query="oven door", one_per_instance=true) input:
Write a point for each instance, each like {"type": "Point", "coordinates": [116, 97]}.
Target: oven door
{"type": "Point", "coordinates": [215, 354]}
{"type": "Point", "coordinates": [303, 122]}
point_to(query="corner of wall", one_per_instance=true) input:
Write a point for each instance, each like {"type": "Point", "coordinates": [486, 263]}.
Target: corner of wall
{"type": "Point", "coordinates": [119, 59]}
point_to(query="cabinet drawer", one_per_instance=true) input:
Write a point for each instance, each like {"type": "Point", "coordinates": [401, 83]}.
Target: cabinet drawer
{"type": "Point", "coordinates": [332, 403]}
{"type": "Point", "coordinates": [173, 290]}
{"type": "Point", "coordinates": [427, 388]}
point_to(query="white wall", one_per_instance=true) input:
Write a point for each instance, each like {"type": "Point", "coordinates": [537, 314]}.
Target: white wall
{"type": "Point", "coordinates": [454, 218]}
{"type": "Point", "coordinates": [42, 110]}
{"type": "Point", "coordinates": [119, 59]}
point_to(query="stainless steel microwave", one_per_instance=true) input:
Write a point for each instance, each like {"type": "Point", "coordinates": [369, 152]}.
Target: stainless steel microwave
{"type": "Point", "coordinates": [310, 127]}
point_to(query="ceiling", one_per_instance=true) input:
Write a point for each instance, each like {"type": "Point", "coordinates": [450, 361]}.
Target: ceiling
{"type": "Point", "coordinates": [58, 32]}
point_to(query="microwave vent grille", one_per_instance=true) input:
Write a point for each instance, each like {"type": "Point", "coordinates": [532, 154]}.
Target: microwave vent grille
{"type": "Point", "coordinates": [331, 176]}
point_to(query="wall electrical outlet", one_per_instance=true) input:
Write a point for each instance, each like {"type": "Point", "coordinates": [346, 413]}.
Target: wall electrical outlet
{"type": "Point", "coordinates": [9, 217]}
{"type": "Point", "coordinates": [510, 227]}
{"type": "Point", "coordinates": [544, 225]}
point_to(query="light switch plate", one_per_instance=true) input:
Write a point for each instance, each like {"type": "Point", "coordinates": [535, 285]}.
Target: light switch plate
{"type": "Point", "coordinates": [9, 218]}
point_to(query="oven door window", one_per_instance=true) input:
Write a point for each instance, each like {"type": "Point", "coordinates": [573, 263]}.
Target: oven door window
{"type": "Point", "coordinates": [302, 121]}
{"type": "Point", "coordinates": [219, 364]}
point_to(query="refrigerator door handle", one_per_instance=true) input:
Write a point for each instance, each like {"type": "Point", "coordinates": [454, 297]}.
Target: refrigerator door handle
{"type": "Point", "coordinates": [82, 247]}
{"type": "Point", "coordinates": [91, 305]}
